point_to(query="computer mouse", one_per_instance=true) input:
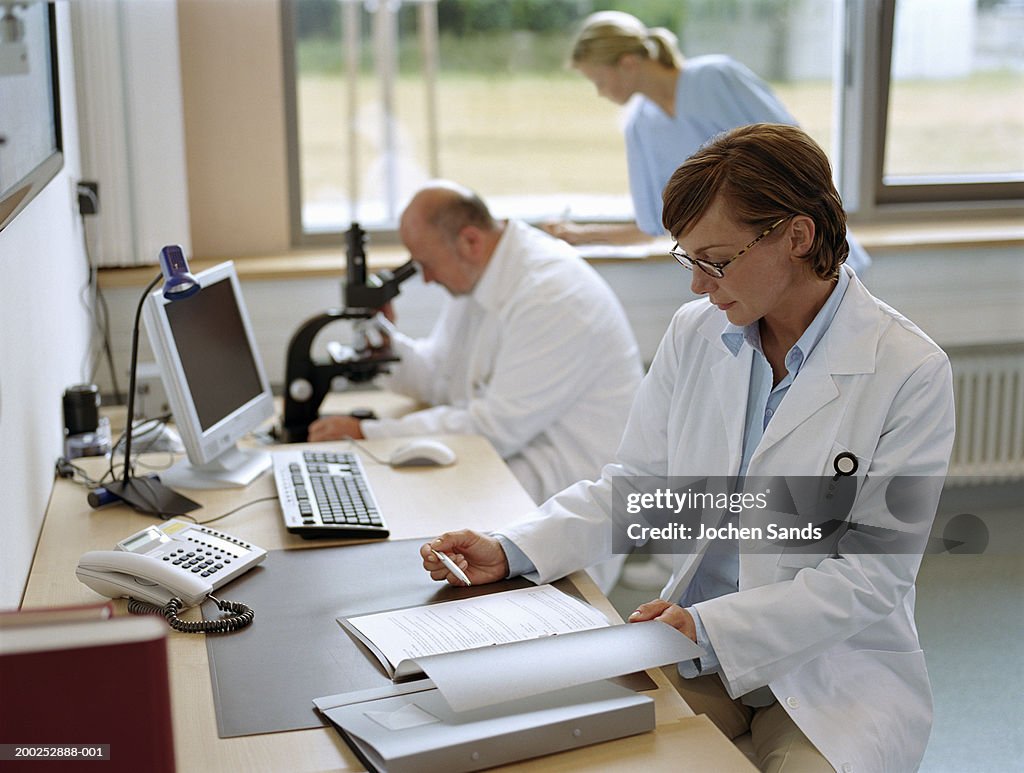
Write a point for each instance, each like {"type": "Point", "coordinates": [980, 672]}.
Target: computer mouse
{"type": "Point", "coordinates": [422, 452]}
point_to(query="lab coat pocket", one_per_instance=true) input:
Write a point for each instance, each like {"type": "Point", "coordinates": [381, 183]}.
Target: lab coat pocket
{"type": "Point", "coordinates": [824, 506]}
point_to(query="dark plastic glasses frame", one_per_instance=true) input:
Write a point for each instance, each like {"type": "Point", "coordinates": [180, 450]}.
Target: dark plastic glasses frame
{"type": "Point", "coordinates": [717, 270]}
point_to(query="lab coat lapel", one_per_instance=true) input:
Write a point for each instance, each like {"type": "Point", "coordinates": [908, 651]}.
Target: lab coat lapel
{"type": "Point", "coordinates": [848, 347]}
{"type": "Point", "coordinates": [730, 384]}
{"type": "Point", "coordinates": [731, 377]}
{"type": "Point", "coordinates": [813, 388]}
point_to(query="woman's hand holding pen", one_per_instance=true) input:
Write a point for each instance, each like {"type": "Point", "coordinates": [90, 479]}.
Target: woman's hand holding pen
{"type": "Point", "coordinates": [664, 612]}
{"type": "Point", "coordinates": [480, 557]}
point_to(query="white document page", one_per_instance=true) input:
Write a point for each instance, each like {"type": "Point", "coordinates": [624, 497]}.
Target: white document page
{"type": "Point", "coordinates": [452, 626]}
{"type": "Point", "coordinates": [488, 676]}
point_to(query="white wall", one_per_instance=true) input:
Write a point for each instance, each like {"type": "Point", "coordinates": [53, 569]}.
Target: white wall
{"type": "Point", "coordinates": [43, 342]}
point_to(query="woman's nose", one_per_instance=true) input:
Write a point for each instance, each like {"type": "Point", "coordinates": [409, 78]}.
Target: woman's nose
{"type": "Point", "coordinates": [701, 283]}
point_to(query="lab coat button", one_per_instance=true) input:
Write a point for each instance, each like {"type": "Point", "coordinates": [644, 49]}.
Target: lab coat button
{"type": "Point", "coordinates": [846, 767]}
{"type": "Point", "coordinates": [792, 702]}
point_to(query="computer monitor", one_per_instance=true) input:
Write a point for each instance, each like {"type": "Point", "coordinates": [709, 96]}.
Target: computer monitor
{"type": "Point", "coordinates": [214, 378]}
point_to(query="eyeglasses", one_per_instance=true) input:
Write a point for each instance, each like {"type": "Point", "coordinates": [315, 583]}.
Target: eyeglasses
{"type": "Point", "coordinates": [717, 270]}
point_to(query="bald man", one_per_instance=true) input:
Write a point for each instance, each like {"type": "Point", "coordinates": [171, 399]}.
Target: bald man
{"type": "Point", "coordinates": [532, 348]}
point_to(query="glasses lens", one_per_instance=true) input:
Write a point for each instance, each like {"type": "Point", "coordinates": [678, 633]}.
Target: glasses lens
{"type": "Point", "coordinates": [711, 269]}
{"type": "Point", "coordinates": [681, 257]}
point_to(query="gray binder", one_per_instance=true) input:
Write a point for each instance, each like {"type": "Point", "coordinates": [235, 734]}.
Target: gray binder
{"type": "Point", "coordinates": [493, 705]}
{"type": "Point", "coordinates": [417, 732]}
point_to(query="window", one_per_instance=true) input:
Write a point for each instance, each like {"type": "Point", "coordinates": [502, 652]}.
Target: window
{"type": "Point", "coordinates": [955, 114]}
{"type": "Point", "coordinates": [386, 95]}
{"type": "Point", "coordinates": [389, 95]}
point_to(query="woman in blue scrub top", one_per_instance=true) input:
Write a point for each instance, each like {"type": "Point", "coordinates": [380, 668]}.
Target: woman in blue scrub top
{"type": "Point", "coordinates": [673, 106]}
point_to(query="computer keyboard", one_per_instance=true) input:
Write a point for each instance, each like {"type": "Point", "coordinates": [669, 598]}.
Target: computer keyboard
{"type": "Point", "coordinates": [326, 494]}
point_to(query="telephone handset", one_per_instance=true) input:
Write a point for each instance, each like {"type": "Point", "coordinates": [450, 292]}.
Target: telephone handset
{"type": "Point", "coordinates": [170, 567]}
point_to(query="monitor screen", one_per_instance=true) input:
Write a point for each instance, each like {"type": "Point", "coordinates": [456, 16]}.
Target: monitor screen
{"type": "Point", "coordinates": [214, 351]}
{"type": "Point", "coordinates": [214, 378]}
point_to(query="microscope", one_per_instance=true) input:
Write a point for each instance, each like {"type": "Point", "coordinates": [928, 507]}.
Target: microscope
{"type": "Point", "coordinates": [307, 381]}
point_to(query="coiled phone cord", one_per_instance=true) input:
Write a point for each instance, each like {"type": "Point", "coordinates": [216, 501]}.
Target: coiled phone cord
{"type": "Point", "coordinates": [240, 615]}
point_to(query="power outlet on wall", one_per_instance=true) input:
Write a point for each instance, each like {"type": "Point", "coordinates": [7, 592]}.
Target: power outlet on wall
{"type": "Point", "coordinates": [88, 197]}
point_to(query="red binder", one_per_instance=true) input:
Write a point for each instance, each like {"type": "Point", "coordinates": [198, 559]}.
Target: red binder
{"type": "Point", "coordinates": [87, 682]}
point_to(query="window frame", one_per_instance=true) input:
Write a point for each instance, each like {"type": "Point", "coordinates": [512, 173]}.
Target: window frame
{"type": "Point", "coordinates": [384, 31]}
{"type": "Point", "coordinates": [975, 188]}
{"type": "Point", "coordinates": [290, 69]}
{"type": "Point", "coordinates": [868, 32]}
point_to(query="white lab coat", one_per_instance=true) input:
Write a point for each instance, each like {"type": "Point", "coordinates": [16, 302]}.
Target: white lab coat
{"type": "Point", "coordinates": [833, 637]}
{"type": "Point", "coordinates": [539, 358]}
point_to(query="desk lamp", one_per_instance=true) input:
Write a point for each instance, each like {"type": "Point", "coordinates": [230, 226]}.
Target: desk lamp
{"type": "Point", "coordinates": [147, 494]}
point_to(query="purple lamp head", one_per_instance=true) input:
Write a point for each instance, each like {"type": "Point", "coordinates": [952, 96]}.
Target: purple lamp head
{"type": "Point", "coordinates": [178, 280]}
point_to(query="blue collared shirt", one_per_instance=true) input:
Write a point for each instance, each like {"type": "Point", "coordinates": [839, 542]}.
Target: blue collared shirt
{"type": "Point", "coordinates": [718, 573]}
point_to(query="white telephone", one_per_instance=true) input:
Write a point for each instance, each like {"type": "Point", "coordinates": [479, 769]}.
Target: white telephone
{"type": "Point", "coordinates": [170, 567]}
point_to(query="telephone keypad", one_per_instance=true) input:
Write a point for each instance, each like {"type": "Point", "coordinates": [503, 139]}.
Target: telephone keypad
{"type": "Point", "coordinates": [200, 560]}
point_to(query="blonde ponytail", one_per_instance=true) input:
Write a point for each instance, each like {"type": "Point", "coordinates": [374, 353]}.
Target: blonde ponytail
{"type": "Point", "coordinates": [607, 36]}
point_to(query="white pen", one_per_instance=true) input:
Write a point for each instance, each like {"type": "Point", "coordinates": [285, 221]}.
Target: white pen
{"type": "Point", "coordinates": [451, 566]}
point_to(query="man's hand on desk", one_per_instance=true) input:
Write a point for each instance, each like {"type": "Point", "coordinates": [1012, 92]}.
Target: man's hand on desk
{"type": "Point", "coordinates": [479, 556]}
{"type": "Point", "coordinates": [335, 428]}
{"type": "Point", "coordinates": [663, 611]}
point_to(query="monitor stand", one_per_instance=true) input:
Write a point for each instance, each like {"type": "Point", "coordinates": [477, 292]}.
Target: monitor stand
{"type": "Point", "coordinates": [234, 468]}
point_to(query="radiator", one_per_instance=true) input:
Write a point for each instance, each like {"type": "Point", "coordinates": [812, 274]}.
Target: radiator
{"type": "Point", "coordinates": [989, 390]}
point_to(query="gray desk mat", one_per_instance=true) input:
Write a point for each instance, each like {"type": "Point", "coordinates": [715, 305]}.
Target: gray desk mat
{"type": "Point", "coordinates": [265, 677]}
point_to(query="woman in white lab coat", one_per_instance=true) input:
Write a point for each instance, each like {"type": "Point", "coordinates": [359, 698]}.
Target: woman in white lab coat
{"type": "Point", "coordinates": [788, 367]}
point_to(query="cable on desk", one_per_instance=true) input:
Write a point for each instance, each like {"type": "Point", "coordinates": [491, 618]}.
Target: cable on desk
{"type": "Point", "coordinates": [232, 512]}
{"type": "Point", "coordinates": [364, 449]}
{"type": "Point", "coordinates": [139, 430]}
{"type": "Point", "coordinates": [240, 615]}
{"type": "Point", "coordinates": [68, 469]}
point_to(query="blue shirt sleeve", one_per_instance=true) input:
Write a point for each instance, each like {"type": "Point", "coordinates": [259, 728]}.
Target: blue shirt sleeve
{"type": "Point", "coordinates": [518, 563]}
{"type": "Point", "coordinates": [708, 664]}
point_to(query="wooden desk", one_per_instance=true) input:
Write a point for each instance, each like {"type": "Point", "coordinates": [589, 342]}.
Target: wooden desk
{"type": "Point", "coordinates": [479, 491]}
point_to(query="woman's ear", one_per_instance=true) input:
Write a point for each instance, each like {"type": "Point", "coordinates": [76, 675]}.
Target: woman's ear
{"type": "Point", "coordinates": [628, 61]}
{"type": "Point", "coordinates": [801, 236]}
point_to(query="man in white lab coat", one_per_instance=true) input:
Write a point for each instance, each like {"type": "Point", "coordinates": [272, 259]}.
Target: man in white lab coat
{"type": "Point", "coordinates": [533, 349]}
{"type": "Point", "coordinates": [789, 367]}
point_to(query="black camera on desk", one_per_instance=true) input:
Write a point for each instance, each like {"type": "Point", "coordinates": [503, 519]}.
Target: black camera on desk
{"type": "Point", "coordinates": [307, 381]}
{"type": "Point", "coordinates": [86, 433]}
